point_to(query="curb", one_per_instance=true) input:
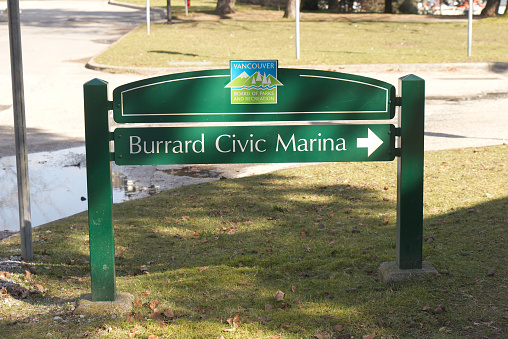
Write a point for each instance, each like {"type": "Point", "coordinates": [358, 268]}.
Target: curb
{"type": "Point", "coordinates": [493, 67]}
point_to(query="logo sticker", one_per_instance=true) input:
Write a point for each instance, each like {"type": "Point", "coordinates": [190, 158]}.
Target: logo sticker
{"type": "Point", "coordinates": [254, 82]}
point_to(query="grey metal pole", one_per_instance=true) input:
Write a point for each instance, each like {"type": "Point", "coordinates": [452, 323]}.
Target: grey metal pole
{"type": "Point", "coordinates": [147, 17]}
{"type": "Point", "coordinates": [18, 101]}
{"type": "Point", "coordinates": [470, 27]}
{"type": "Point", "coordinates": [297, 28]}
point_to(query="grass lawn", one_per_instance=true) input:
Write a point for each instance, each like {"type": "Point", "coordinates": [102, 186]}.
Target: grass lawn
{"type": "Point", "coordinates": [208, 260]}
{"type": "Point", "coordinates": [204, 39]}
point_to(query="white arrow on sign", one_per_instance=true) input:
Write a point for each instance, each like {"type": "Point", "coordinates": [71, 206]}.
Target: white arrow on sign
{"type": "Point", "coordinates": [372, 142]}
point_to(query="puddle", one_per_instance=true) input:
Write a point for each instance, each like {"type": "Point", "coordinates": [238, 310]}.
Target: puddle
{"type": "Point", "coordinates": [58, 184]}
{"type": "Point", "coordinates": [194, 172]}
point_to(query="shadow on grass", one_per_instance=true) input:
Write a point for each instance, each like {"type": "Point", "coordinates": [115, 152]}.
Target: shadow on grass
{"type": "Point", "coordinates": [212, 251]}
{"type": "Point", "coordinates": [174, 53]}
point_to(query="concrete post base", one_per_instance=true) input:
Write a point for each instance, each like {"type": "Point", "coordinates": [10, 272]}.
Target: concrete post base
{"type": "Point", "coordinates": [389, 272]}
{"type": "Point", "coordinates": [122, 305]}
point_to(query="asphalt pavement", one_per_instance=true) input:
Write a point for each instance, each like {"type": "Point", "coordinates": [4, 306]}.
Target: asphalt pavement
{"type": "Point", "coordinates": [466, 104]}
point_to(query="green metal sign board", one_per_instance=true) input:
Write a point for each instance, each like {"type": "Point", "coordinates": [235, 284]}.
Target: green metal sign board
{"type": "Point", "coordinates": [254, 144]}
{"type": "Point", "coordinates": [252, 91]}
{"type": "Point", "coordinates": [253, 95]}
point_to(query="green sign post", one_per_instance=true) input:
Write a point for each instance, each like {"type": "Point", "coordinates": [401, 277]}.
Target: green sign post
{"type": "Point", "coordinates": [253, 93]}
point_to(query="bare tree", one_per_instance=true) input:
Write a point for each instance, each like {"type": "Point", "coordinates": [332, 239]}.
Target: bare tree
{"type": "Point", "coordinates": [290, 12]}
{"type": "Point", "coordinates": [491, 8]}
{"type": "Point", "coordinates": [225, 7]}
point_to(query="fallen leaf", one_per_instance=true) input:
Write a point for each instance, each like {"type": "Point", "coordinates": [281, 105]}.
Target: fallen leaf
{"type": "Point", "coordinates": [236, 321]}
{"type": "Point", "coordinates": [243, 283]}
{"type": "Point", "coordinates": [338, 328]}
{"type": "Point", "coordinates": [369, 336]}
{"type": "Point", "coordinates": [437, 310]}
{"type": "Point", "coordinates": [129, 319]}
{"type": "Point", "coordinates": [168, 314]}
{"type": "Point", "coordinates": [293, 288]}
{"type": "Point", "coordinates": [199, 310]}
{"type": "Point", "coordinates": [153, 304]}
{"type": "Point", "coordinates": [138, 302]}
{"type": "Point", "coordinates": [39, 287]}
{"type": "Point", "coordinates": [27, 276]}
{"type": "Point", "coordinates": [279, 295]}
{"type": "Point", "coordinates": [318, 336]}
{"type": "Point", "coordinates": [145, 293]}
{"type": "Point", "coordinates": [285, 324]}
{"type": "Point", "coordinates": [155, 315]}
{"type": "Point", "coordinates": [283, 306]}
{"type": "Point", "coordinates": [203, 268]}
{"type": "Point", "coordinates": [153, 336]}
{"type": "Point", "coordinates": [131, 335]}
{"type": "Point", "coordinates": [162, 325]}
{"type": "Point", "coordinates": [268, 307]}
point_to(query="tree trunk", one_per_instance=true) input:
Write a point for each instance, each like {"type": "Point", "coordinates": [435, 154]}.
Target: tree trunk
{"type": "Point", "coordinates": [168, 12]}
{"type": "Point", "coordinates": [491, 8]}
{"type": "Point", "coordinates": [309, 5]}
{"type": "Point", "coordinates": [333, 5]}
{"type": "Point", "coordinates": [388, 6]}
{"type": "Point", "coordinates": [290, 12]}
{"type": "Point", "coordinates": [225, 7]}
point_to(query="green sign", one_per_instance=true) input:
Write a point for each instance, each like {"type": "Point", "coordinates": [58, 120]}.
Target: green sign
{"type": "Point", "coordinates": [225, 96]}
{"type": "Point", "coordinates": [252, 91]}
{"type": "Point", "coordinates": [254, 144]}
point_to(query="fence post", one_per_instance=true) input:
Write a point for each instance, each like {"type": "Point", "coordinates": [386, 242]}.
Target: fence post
{"type": "Point", "coordinates": [100, 200]}
{"type": "Point", "coordinates": [410, 173]}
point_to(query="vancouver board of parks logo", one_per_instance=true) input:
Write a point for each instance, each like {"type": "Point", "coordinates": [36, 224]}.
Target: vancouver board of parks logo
{"type": "Point", "coordinates": [254, 82]}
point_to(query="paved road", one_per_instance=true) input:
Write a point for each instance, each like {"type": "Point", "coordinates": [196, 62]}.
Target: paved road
{"type": "Point", "coordinates": [58, 38]}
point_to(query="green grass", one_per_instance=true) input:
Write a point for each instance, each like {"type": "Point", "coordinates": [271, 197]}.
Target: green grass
{"type": "Point", "coordinates": [261, 33]}
{"type": "Point", "coordinates": [213, 251]}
